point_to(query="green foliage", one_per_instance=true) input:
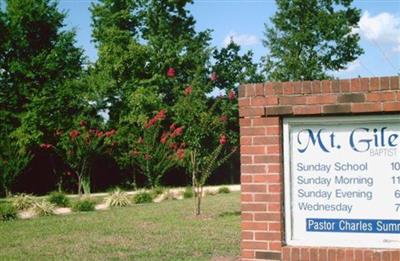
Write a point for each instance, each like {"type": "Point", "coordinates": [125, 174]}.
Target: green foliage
{"type": "Point", "coordinates": [122, 59]}
{"type": "Point", "coordinates": [80, 146]}
{"type": "Point", "coordinates": [309, 38]}
{"type": "Point", "coordinates": [142, 197]}
{"type": "Point", "coordinates": [156, 149]}
{"type": "Point", "coordinates": [172, 41]}
{"type": "Point", "coordinates": [232, 69]}
{"type": "Point", "coordinates": [188, 193]}
{"type": "Point", "coordinates": [13, 160]}
{"type": "Point", "coordinates": [43, 208]}
{"type": "Point", "coordinates": [22, 201]}
{"type": "Point", "coordinates": [224, 190]}
{"type": "Point", "coordinates": [204, 132]}
{"type": "Point", "coordinates": [84, 204]}
{"type": "Point", "coordinates": [38, 66]}
{"type": "Point", "coordinates": [59, 199]}
{"type": "Point", "coordinates": [117, 198]}
{"type": "Point", "coordinates": [207, 137]}
{"type": "Point", "coordinates": [157, 191]}
{"type": "Point", "coordinates": [7, 212]}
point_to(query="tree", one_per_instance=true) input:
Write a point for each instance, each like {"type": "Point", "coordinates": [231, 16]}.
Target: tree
{"type": "Point", "coordinates": [13, 161]}
{"type": "Point", "coordinates": [80, 146]}
{"type": "Point", "coordinates": [206, 137]}
{"type": "Point", "coordinates": [308, 39]}
{"type": "Point", "coordinates": [148, 52]}
{"type": "Point", "coordinates": [122, 59]}
{"type": "Point", "coordinates": [232, 69]}
{"type": "Point", "coordinates": [178, 54]}
{"type": "Point", "coordinates": [156, 151]}
{"type": "Point", "coordinates": [39, 67]}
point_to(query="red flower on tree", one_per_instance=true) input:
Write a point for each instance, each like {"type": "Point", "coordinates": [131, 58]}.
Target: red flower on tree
{"type": "Point", "coordinates": [159, 117]}
{"type": "Point", "coordinates": [151, 123]}
{"type": "Point", "coordinates": [231, 95]}
{"type": "Point", "coordinates": [180, 153]}
{"type": "Point", "coordinates": [173, 146]}
{"type": "Point", "coordinates": [82, 123]}
{"type": "Point", "coordinates": [171, 72]}
{"type": "Point", "coordinates": [223, 118]}
{"type": "Point", "coordinates": [188, 90]}
{"type": "Point", "coordinates": [222, 139]}
{"type": "Point", "coordinates": [213, 76]}
{"type": "Point", "coordinates": [179, 131]}
{"type": "Point", "coordinates": [46, 146]}
{"type": "Point", "coordinates": [110, 133]}
{"type": "Point", "coordinates": [172, 127]}
{"type": "Point", "coordinates": [164, 137]}
{"type": "Point", "coordinates": [74, 134]}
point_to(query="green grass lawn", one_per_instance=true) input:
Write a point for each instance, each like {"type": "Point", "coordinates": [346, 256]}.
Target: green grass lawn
{"type": "Point", "coordinates": [163, 231]}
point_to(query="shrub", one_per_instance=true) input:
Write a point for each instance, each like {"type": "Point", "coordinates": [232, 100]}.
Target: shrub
{"type": "Point", "coordinates": [43, 208]}
{"type": "Point", "coordinates": [117, 198]}
{"type": "Point", "coordinates": [142, 197]}
{"type": "Point", "coordinates": [188, 193]}
{"type": "Point", "coordinates": [85, 204]}
{"type": "Point", "coordinates": [7, 212]}
{"type": "Point", "coordinates": [22, 201]}
{"type": "Point", "coordinates": [224, 190]}
{"type": "Point", "coordinates": [157, 191]}
{"type": "Point", "coordinates": [58, 199]}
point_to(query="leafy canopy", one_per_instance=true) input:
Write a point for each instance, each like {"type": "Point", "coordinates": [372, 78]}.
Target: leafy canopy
{"type": "Point", "coordinates": [307, 39]}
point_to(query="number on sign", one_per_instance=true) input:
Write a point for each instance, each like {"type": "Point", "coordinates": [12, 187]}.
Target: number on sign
{"type": "Point", "coordinates": [397, 206]}
{"type": "Point", "coordinates": [395, 166]}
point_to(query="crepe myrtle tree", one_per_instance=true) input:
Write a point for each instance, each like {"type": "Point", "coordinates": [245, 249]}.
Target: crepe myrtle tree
{"type": "Point", "coordinates": [156, 150]}
{"type": "Point", "coordinates": [80, 146]}
{"type": "Point", "coordinates": [206, 136]}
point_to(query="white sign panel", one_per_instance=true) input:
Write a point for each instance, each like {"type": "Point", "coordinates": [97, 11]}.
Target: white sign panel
{"type": "Point", "coordinates": [342, 181]}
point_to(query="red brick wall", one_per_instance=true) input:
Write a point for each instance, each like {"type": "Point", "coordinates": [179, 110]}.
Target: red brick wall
{"type": "Point", "coordinates": [262, 107]}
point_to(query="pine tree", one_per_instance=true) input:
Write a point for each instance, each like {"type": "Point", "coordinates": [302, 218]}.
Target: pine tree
{"type": "Point", "coordinates": [309, 39]}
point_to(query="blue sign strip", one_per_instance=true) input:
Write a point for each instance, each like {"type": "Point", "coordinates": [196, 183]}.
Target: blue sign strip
{"type": "Point", "coordinates": [384, 226]}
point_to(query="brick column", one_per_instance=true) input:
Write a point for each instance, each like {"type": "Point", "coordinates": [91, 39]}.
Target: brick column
{"type": "Point", "coordinates": [262, 107]}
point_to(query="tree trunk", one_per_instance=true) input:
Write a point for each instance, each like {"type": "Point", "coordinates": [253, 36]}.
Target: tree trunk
{"type": "Point", "coordinates": [79, 186]}
{"type": "Point", "coordinates": [7, 191]}
{"type": "Point", "coordinates": [199, 197]}
{"type": "Point", "coordinates": [60, 184]}
{"type": "Point", "coordinates": [134, 179]}
{"type": "Point", "coordinates": [194, 184]}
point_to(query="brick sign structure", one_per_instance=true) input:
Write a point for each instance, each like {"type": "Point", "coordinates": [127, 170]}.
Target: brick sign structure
{"type": "Point", "coordinates": [263, 110]}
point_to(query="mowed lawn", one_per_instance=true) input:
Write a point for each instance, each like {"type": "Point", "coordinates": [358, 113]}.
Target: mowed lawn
{"type": "Point", "coordinates": [156, 231]}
